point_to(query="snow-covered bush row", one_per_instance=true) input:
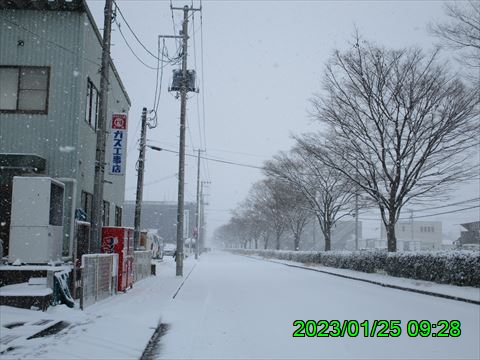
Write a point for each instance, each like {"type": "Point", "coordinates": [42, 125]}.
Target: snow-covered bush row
{"type": "Point", "coordinates": [450, 267]}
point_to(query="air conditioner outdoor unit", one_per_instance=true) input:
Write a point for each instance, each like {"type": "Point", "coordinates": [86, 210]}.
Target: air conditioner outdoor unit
{"type": "Point", "coordinates": [36, 227]}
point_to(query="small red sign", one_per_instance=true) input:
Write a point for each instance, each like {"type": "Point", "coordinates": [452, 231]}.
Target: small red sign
{"type": "Point", "coordinates": [119, 121]}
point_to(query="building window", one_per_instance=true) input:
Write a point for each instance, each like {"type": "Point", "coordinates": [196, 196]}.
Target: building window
{"type": "Point", "coordinates": [118, 216]}
{"type": "Point", "coordinates": [24, 89]}
{"type": "Point", "coordinates": [91, 111]}
{"type": "Point", "coordinates": [87, 204]}
{"type": "Point", "coordinates": [106, 213]}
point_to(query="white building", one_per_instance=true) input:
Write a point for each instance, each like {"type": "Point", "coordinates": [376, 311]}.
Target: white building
{"type": "Point", "coordinates": [416, 235]}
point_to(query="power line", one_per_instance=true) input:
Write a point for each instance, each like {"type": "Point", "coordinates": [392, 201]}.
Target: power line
{"type": "Point", "coordinates": [445, 212]}
{"type": "Point", "coordinates": [448, 205]}
{"type": "Point", "coordinates": [134, 139]}
{"type": "Point", "coordinates": [158, 84]}
{"type": "Point", "coordinates": [169, 60]}
{"type": "Point", "coordinates": [202, 85]}
{"type": "Point", "coordinates": [190, 134]}
{"type": "Point", "coordinates": [154, 181]}
{"type": "Point", "coordinates": [264, 157]}
{"type": "Point", "coordinates": [195, 67]}
{"type": "Point", "coordinates": [133, 32]}
{"type": "Point", "coordinates": [177, 41]}
{"type": "Point", "coordinates": [430, 215]}
{"type": "Point", "coordinates": [131, 49]}
{"type": "Point", "coordinates": [208, 158]}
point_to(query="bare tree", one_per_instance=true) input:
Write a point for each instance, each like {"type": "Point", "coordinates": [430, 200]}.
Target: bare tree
{"type": "Point", "coordinates": [298, 216]}
{"type": "Point", "coordinates": [238, 227]}
{"type": "Point", "coordinates": [462, 30]}
{"type": "Point", "coordinates": [226, 236]}
{"type": "Point", "coordinates": [327, 192]}
{"type": "Point", "coordinates": [401, 125]}
{"type": "Point", "coordinates": [297, 212]}
{"type": "Point", "coordinates": [254, 222]}
{"type": "Point", "coordinates": [267, 197]}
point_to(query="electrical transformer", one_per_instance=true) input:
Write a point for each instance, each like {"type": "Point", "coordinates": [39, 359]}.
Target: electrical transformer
{"type": "Point", "coordinates": [177, 81]}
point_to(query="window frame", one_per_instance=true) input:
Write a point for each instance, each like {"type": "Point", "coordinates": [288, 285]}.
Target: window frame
{"type": "Point", "coordinates": [118, 215]}
{"type": "Point", "coordinates": [86, 203]}
{"type": "Point", "coordinates": [89, 102]}
{"type": "Point", "coordinates": [47, 90]}
{"type": "Point", "coordinates": [106, 213]}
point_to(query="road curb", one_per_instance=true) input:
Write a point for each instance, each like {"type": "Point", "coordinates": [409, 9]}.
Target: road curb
{"type": "Point", "coordinates": [418, 291]}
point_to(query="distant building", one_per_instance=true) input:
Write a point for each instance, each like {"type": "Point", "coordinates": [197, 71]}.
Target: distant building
{"type": "Point", "coordinates": [342, 236]}
{"type": "Point", "coordinates": [162, 217]}
{"type": "Point", "coordinates": [49, 86]}
{"type": "Point", "coordinates": [471, 236]}
{"type": "Point", "coordinates": [419, 235]}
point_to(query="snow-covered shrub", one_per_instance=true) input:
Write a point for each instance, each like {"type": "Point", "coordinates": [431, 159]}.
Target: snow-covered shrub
{"type": "Point", "coordinates": [449, 267]}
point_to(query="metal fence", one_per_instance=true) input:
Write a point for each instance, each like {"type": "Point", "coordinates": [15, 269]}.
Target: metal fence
{"type": "Point", "coordinates": [142, 262]}
{"type": "Point", "coordinates": [98, 277]}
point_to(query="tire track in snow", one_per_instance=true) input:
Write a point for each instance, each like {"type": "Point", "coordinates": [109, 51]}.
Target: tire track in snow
{"type": "Point", "coordinates": [152, 350]}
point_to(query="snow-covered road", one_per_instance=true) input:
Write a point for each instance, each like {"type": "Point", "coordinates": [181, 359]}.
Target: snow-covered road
{"type": "Point", "coordinates": [231, 306]}
{"type": "Point", "coordinates": [237, 307]}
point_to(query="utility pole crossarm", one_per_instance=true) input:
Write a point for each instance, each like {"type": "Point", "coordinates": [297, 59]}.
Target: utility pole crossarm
{"type": "Point", "coordinates": [187, 8]}
{"type": "Point", "coordinates": [171, 36]}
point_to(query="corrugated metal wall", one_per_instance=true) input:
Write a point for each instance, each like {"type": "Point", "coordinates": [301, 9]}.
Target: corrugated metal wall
{"type": "Point", "coordinates": [44, 44]}
{"type": "Point", "coordinates": [67, 43]}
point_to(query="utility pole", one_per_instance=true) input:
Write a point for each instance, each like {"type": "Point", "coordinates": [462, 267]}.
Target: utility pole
{"type": "Point", "coordinates": [356, 219]}
{"type": "Point", "coordinates": [197, 213]}
{"type": "Point", "coordinates": [181, 163]}
{"type": "Point", "coordinates": [97, 211]}
{"type": "Point", "coordinates": [412, 230]}
{"type": "Point", "coordinates": [201, 229]}
{"type": "Point", "coordinates": [140, 171]}
{"type": "Point", "coordinates": [356, 209]}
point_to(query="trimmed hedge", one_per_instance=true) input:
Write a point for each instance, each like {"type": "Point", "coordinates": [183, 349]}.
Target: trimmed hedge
{"type": "Point", "coordinates": [446, 267]}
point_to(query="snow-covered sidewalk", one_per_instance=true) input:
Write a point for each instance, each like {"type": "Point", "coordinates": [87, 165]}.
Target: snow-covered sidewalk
{"type": "Point", "coordinates": [461, 293]}
{"type": "Point", "coordinates": [116, 328]}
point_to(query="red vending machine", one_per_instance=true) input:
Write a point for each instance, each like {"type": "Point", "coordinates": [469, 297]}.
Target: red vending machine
{"type": "Point", "coordinates": [119, 240]}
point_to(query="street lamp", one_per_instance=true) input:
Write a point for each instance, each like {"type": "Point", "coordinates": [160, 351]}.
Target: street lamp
{"type": "Point", "coordinates": [156, 148]}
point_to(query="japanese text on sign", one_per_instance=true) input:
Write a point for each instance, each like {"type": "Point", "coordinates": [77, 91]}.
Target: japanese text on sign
{"type": "Point", "coordinates": [118, 142]}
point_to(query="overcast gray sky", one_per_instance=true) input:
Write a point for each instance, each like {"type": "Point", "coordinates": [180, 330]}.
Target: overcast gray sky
{"type": "Point", "coordinates": [262, 62]}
